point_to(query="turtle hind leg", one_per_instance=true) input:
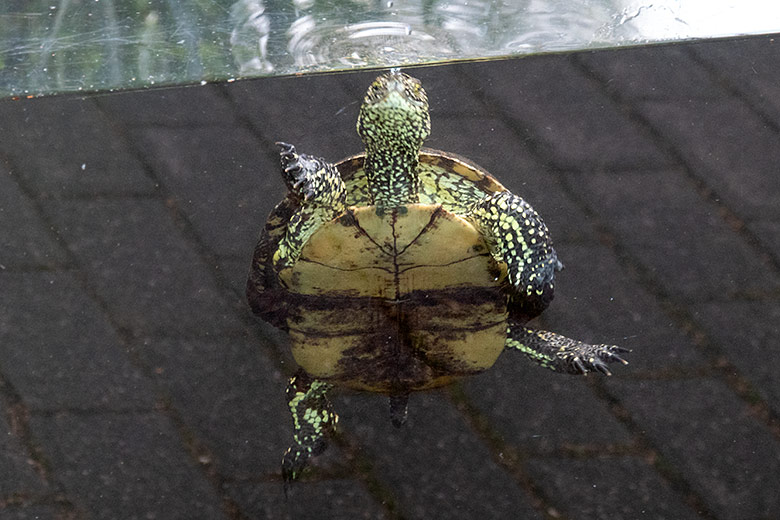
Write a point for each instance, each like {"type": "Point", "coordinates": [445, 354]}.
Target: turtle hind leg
{"type": "Point", "coordinates": [319, 194]}
{"type": "Point", "coordinates": [313, 418]}
{"type": "Point", "coordinates": [518, 237]}
{"type": "Point", "coordinates": [562, 354]}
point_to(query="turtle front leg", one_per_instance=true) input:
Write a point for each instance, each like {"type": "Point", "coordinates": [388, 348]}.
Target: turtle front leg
{"type": "Point", "coordinates": [313, 418]}
{"type": "Point", "coordinates": [320, 195]}
{"type": "Point", "coordinates": [518, 237]}
{"type": "Point", "coordinates": [560, 353]}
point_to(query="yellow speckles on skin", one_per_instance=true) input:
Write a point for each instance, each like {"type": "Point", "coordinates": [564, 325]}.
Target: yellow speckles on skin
{"type": "Point", "coordinates": [311, 413]}
{"type": "Point", "coordinates": [393, 123]}
{"type": "Point", "coordinates": [520, 239]}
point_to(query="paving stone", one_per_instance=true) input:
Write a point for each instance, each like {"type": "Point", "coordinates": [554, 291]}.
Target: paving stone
{"type": "Point", "coordinates": [25, 240]}
{"type": "Point", "coordinates": [701, 428]}
{"type": "Point", "coordinates": [185, 106]}
{"type": "Point", "coordinates": [578, 125]}
{"type": "Point", "coordinates": [125, 466]}
{"type": "Point", "coordinates": [58, 349]}
{"type": "Point", "coordinates": [16, 471]}
{"type": "Point", "coordinates": [728, 147]}
{"type": "Point", "coordinates": [748, 65]}
{"type": "Point", "coordinates": [603, 487]}
{"type": "Point", "coordinates": [676, 234]}
{"type": "Point", "coordinates": [332, 499]}
{"type": "Point", "coordinates": [230, 396]}
{"type": "Point", "coordinates": [223, 183]}
{"type": "Point", "coordinates": [235, 271]}
{"type": "Point", "coordinates": [747, 331]}
{"type": "Point", "coordinates": [768, 232]}
{"type": "Point", "coordinates": [596, 301]}
{"type": "Point", "coordinates": [539, 411]}
{"type": "Point", "coordinates": [434, 465]}
{"type": "Point", "coordinates": [651, 72]}
{"type": "Point", "coordinates": [52, 159]}
{"type": "Point", "coordinates": [485, 141]}
{"type": "Point", "coordinates": [31, 512]}
{"type": "Point", "coordinates": [149, 277]}
{"type": "Point", "coordinates": [315, 113]}
{"type": "Point", "coordinates": [450, 95]}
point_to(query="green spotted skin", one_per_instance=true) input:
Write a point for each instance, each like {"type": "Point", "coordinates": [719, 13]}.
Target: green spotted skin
{"type": "Point", "coordinates": [320, 194]}
{"type": "Point", "coordinates": [313, 417]}
{"type": "Point", "coordinates": [519, 237]}
{"type": "Point", "coordinates": [393, 123]}
{"type": "Point", "coordinates": [560, 353]}
{"type": "Point", "coordinates": [436, 185]}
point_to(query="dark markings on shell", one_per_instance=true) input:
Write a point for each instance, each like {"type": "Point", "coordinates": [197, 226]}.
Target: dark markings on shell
{"type": "Point", "coordinates": [388, 342]}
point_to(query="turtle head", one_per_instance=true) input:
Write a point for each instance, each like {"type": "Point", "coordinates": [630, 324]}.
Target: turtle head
{"type": "Point", "coordinates": [394, 114]}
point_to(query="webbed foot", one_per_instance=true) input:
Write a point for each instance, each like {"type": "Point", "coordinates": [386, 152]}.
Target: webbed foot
{"type": "Point", "coordinates": [563, 354]}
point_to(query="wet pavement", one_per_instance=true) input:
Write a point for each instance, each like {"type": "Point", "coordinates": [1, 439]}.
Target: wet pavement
{"type": "Point", "coordinates": [134, 382]}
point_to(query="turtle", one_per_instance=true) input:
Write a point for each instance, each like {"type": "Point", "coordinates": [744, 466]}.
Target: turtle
{"type": "Point", "coordinates": [401, 269]}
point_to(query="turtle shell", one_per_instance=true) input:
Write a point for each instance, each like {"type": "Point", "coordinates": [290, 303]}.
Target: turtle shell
{"type": "Point", "coordinates": [405, 300]}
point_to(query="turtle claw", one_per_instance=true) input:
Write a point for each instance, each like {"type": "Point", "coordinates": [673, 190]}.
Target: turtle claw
{"type": "Point", "coordinates": [594, 358]}
{"type": "Point", "coordinates": [309, 177]}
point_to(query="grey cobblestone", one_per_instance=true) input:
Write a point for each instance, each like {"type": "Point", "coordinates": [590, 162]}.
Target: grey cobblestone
{"type": "Point", "coordinates": [332, 499]}
{"type": "Point", "coordinates": [752, 346]}
{"type": "Point", "coordinates": [199, 164]}
{"type": "Point", "coordinates": [652, 72]}
{"type": "Point", "coordinates": [769, 233]}
{"type": "Point", "coordinates": [149, 277]}
{"type": "Point", "coordinates": [24, 240]}
{"type": "Point", "coordinates": [676, 234]}
{"type": "Point", "coordinates": [207, 105]}
{"type": "Point", "coordinates": [574, 120]}
{"type": "Point", "coordinates": [31, 512]}
{"type": "Point", "coordinates": [724, 453]}
{"type": "Point", "coordinates": [606, 487]}
{"type": "Point", "coordinates": [125, 465]}
{"type": "Point", "coordinates": [230, 396]}
{"type": "Point", "coordinates": [282, 110]}
{"type": "Point", "coordinates": [434, 465]}
{"type": "Point", "coordinates": [739, 162]}
{"type": "Point", "coordinates": [14, 460]}
{"type": "Point", "coordinates": [538, 411]}
{"type": "Point", "coordinates": [58, 349]}
{"type": "Point", "coordinates": [597, 302]}
{"type": "Point", "coordinates": [98, 161]}
{"type": "Point", "coordinates": [748, 65]}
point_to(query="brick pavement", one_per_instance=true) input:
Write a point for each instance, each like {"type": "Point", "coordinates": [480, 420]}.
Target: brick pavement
{"type": "Point", "coordinates": [134, 383]}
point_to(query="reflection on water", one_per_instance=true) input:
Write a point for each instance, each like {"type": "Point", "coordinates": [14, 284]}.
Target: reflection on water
{"type": "Point", "coordinates": [50, 47]}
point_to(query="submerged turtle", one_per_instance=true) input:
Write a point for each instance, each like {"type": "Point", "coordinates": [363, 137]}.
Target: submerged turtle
{"type": "Point", "coordinates": [401, 269]}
